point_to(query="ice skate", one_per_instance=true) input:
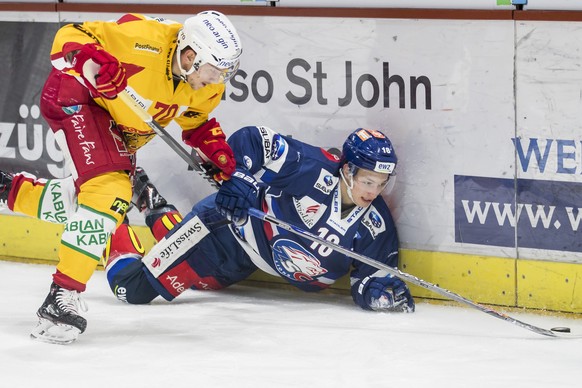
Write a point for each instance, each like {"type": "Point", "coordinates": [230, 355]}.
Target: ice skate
{"type": "Point", "coordinates": [5, 185]}
{"type": "Point", "coordinates": [145, 194]}
{"type": "Point", "coordinates": [59, 321]}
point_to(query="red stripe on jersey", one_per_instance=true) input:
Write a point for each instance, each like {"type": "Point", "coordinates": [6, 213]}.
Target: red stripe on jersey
{"type": "Point", "coordinates": [131, 69]}
{"type": "Point", "coordinates": [330, 156]}
{"type": "Point", "coordinates": [127, 18]}
{"type": "Point", "coordinates": [267, 227]}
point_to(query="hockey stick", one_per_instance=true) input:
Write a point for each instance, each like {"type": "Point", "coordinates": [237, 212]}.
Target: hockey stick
{"type": "Point", "coordinates": [555, 332]}
{"type": "Point", "coordinates": [131, 100]}
{"type": "Point", "coordinates": [139, 110]}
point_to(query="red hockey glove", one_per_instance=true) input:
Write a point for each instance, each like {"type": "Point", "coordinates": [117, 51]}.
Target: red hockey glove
{"type": "Point", "coordinates": [102, 72]}
{"type": "Point", "coordinates": [210, 142]}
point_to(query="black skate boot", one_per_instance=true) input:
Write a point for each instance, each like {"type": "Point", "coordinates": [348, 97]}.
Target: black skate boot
{"type": "Point", "coordinates": [145, 195]}
{"type": "Point", "coordinates": [5, 185]}
{"type": "Point", "coordinates": [59, 320]}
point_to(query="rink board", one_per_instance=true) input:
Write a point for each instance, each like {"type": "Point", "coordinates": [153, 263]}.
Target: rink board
{"type": "Point", "coordinates": [484, 116]}
{"type": "Point", "coordinates": [483, 279]}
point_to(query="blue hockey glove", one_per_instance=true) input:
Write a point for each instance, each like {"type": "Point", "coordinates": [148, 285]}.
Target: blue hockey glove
{"type": "Point", "coordinates": [236, 196]}
{"type": "Point", "coordinates": [383, 294]}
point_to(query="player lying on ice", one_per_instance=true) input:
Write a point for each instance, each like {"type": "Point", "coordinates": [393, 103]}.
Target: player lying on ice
{"type": "Point", "coordinates": [336, 199]}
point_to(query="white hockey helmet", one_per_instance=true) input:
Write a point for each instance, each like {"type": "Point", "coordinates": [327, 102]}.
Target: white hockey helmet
{"type": "Point", "coordinates": [215, 40]}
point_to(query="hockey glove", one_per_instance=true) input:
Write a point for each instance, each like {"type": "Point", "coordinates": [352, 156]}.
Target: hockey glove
{"type": "Point", "coordinates": [210, 142]}
{"type": "Point", "coordinates": [383, 294]}
{"type": "Point", "coordinates": [101, 71]}
{"type": "Point", "coordinates": [236, 196]}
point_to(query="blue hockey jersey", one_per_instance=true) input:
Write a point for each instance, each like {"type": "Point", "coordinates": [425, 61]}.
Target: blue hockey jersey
{"type": "Point", "coordinates": [300, 184]}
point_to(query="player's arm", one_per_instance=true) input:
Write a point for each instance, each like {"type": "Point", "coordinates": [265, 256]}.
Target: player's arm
{"type": "Point", "coordinates": [277, 160]}
{"type": "Point", "coordinates": [254, 150]}
{"type": "Point", "coordinates": [77, 50]}
{"type": "Point", "coordinates": [205, 134]}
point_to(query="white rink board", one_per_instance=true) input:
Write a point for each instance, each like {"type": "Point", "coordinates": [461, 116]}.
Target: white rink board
{"type": "Point", "coordinates": [456, 155]}
{"type": "Point", "coordinates": [549, 79]}
{"type": "Point", "coordinates": [469, 64]}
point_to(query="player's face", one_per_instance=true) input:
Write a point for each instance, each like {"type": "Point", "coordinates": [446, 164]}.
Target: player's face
{"type": "Point", "coordinates": [207, 74]}
{"type": "Point", "coordinates": [367, 186]}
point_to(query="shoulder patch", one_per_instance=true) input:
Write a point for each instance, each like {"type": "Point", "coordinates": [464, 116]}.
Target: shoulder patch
{"type": "Point", "coordinates": [374, 222]}
{"type": "Point", "coordinates": [325, 182]}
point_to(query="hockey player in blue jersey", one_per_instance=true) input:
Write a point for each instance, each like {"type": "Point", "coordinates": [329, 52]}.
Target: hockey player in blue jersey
{"type": "Point", "coordinates": [335, 198]}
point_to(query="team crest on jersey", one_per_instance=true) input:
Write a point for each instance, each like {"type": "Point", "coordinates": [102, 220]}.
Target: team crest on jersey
{"type": "Point", "coordinates": [295, 262]}
{"type": "Point", "coordinates": [374, 222]}
{"type": "Point", "coordinates": [278, 148]}
{"type": "Point", "coordinates": [248, 162]}
{"type": "Point", "coordinates": [309, 210]}
{"type": "Point", "coordinates": [326, 182]}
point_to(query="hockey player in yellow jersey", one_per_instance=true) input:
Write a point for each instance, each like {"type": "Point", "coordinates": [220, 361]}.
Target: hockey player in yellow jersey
{"type": "Point", "coordinates": [176, 72]}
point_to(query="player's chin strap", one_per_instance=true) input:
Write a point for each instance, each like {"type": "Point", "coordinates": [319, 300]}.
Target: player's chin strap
{"type": "Point", "coordinates": [132, 101]}
{"type": "Point", "coordinates": [350, 185]}
{"type": "Point", "coordinates": [183, 73]}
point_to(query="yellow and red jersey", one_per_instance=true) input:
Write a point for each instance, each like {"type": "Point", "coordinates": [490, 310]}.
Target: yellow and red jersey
{"type": "Point", "coordinates": [145, 47]}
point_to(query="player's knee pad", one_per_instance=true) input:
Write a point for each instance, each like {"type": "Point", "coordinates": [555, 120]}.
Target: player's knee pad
{"type": "Point", "coordinates": [122, 242]}
{"type": "Point", "coordinates": [128, 281]}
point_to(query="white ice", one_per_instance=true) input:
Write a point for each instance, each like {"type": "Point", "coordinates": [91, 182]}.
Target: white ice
{"type": "Point", "coordinates": [254, 337]}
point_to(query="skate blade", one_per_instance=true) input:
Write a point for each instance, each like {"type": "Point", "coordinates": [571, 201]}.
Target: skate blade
{"type": "Point", "coordinates": [49, 332]}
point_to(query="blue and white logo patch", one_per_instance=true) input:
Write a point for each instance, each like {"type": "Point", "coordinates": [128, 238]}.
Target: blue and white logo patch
{"type": "Point", "coordinates": [325, 182]}
{"type": "Point", "coordinates": [374, 222]}
{"type": "Point", "coordinates": [295, 262]}
{"type": "Point", "coordinates": [278, 148]}
{"type": "Point", "coordinates": [247, 162]}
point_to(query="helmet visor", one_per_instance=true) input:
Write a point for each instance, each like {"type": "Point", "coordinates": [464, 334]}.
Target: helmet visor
{"type": "Point", "coordinates": [211, 74]}
{"type": "Point", "coordinates": [371, 184]}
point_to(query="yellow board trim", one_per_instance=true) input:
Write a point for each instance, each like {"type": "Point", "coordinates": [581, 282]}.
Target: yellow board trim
{"type": "Point", "coordinates": [545, 285]}
{"type": "Point", "coordinates": [31, 239]}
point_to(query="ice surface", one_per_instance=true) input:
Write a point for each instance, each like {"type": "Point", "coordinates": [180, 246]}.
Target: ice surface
{"type": "Point", "coordinates": [254, 337]}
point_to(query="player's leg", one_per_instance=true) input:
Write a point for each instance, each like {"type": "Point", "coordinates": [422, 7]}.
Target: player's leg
{"type": "Point", "coordinates": [208, 256]}
{"type": "Point", "coordinates": [123, 255]}
{"type": "Point", "coordinates": [160, 216]}
{"type": "Point", "coordinates": [51, 200]}
{"type": "Point", "coordinates": [199, 253]}
{"type": "Point", "coordinates": [124, 270]}
{"type": "Point", "coordinates": [99, 163]}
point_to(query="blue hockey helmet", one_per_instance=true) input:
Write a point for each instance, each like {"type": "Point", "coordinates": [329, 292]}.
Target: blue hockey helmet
{"type": "Point", "coordinates": [371, 150]}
